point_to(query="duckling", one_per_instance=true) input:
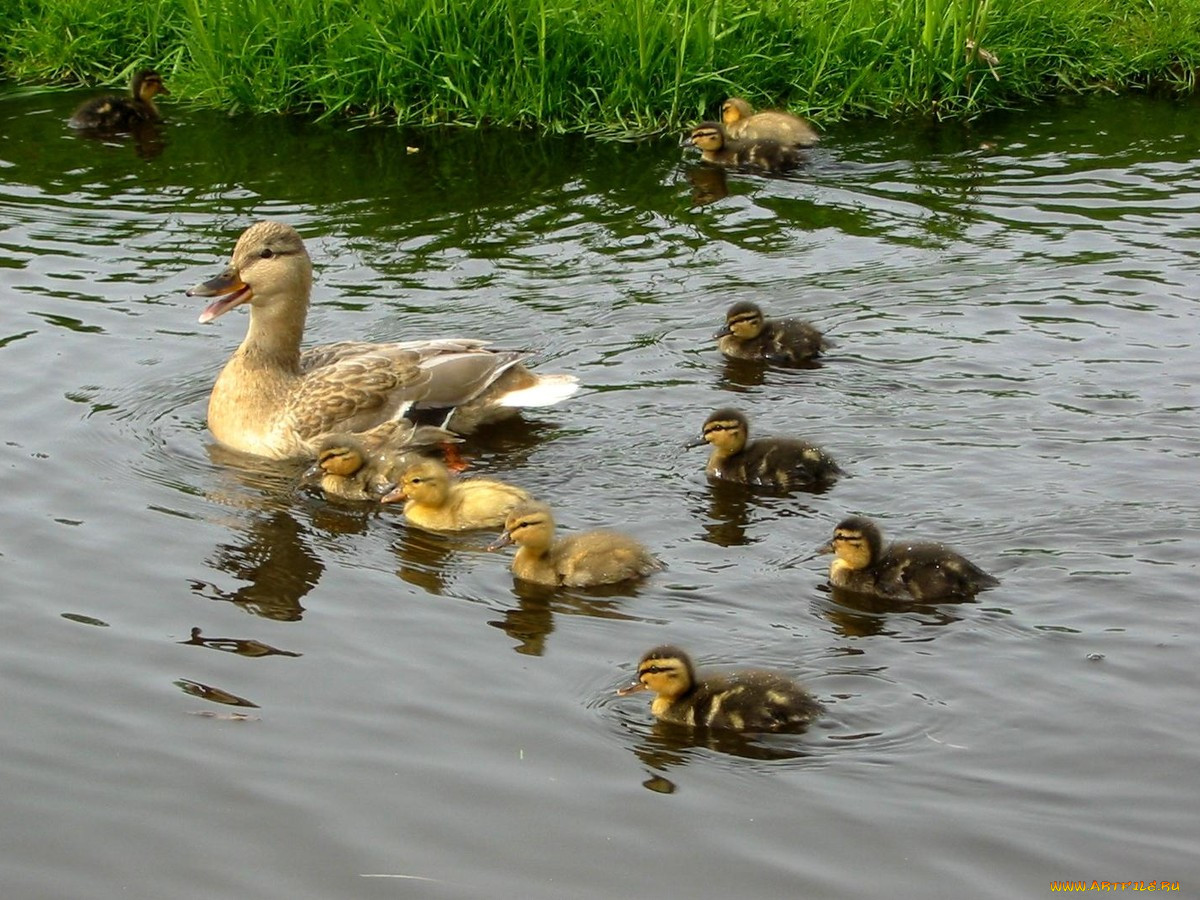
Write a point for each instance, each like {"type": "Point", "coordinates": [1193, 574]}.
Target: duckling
{"type": "Point", "coordinates": [765, 155]}
{"type": "Point", "coordinates": [746, 700]}
{"type": "Point", "coordinates": [358, 467]}
{"type": "Point", "coordinates": [908, 571]}
{"type": "Point", "coordinates": [742, 122]}
{"type": "Point", "coordinates": [785, 342]}
{"type": "Point", "coordinates": [581, 560]}
{"type": "Point", "coordinates": [123, 113]}
{"type": "Point", "coordinates": [275, 401]}
{"type": "Point", "coordinates": [437, 502]}
{"type": "Point", "coordinates": [776, 462]}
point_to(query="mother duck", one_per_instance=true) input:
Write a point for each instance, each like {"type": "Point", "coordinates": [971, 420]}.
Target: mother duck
{"type": "Point", "coordinates": [274, 400]}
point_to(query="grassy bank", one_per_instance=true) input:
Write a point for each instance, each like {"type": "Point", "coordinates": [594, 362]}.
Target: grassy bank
{"type": "Point", "coordinates": [606, 65]}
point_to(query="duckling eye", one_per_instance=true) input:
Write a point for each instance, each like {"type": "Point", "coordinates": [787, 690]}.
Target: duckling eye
{"type": "Point", "coordinates": [266, 253]}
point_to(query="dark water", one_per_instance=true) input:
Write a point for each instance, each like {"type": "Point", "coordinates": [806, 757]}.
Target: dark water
{"type": "Point", "coordinates": [1015, 306]}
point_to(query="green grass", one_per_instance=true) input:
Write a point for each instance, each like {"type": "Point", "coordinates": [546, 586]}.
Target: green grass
{"type": "Point", "coordinates": [615, 66]}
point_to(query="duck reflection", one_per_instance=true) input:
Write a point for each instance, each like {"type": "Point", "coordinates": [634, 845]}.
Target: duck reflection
{"type": "Point", "coordinates": [240, 646]}
{"type": "Point", "coordinates": [531, 621]}
{"type": "Point", "coordinates": [274, 560]}
{"type": "Point", "coordinates": [424, 558]}
{"type": "Point", "coordinates": [667, 745]}
{"type": "Point", "coordinates": [863, 615]}
{"type": "Point", "coordinates": [709, 184]}
{"type": "Point", "coordinates": [148, 138]}
{"type": "Point", "coordinates": [214, 694]}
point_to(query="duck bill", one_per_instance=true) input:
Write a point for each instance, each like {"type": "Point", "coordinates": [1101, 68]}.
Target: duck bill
{"type": "Point", "coordinates": [724, 332]}
{"type": "Point", "coordinates": [692, 445]}
{"type": "Point", "coordinates": [393, 494]}
{"type": "Point", "coordinates": [228, 288]}
{"type": "Point", "coordinates": [503, 541]}
{"type": "Point", "coordinates": [812, 554]}
{"type": "Point", "coordinates": [312, 474]}
{"type": "Point", "coordinates": [631, 688]}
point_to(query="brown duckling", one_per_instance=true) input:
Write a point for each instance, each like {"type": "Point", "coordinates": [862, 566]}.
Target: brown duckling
{"type": "Point", "coordinates": [745, 700]}
{"type": "Point", "coordinates": [742, 122]}
{"type": "Point", "coordinates": [581, 560]}
{"type": "Point", "coordinates": [764, 155]}
{"type": "Point", "coordinates": [367, 467]}
{"type": "Point", "coordinates": [436, 501]}
{"type": "Point", "coordinates": [275, 401]}
{"type": "Point", "coordinates": [903, 570]}
{"type": "Point", "coordinates": [785, 342]}
{"type": "Point", "coordinates": [775, 462]}
{"type": "Point", "coordinates": [123, 113]}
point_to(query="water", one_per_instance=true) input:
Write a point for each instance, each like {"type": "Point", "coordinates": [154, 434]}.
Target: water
{"type": "Point", "coordinates": [371, 712]}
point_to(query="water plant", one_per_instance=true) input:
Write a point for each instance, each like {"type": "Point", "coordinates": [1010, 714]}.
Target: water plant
{"type": "Point", "coordinates": [621, 66]}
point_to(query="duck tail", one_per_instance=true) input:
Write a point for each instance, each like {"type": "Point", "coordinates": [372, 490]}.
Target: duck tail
{"type": "Point", "coordinates": [545, 391]}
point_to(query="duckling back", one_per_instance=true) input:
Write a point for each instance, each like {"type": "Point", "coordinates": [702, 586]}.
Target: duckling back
{"type": "Point", "coordinates": [748, 334]}
{"type": "Point", "coordinates": [781, 463]}
{"type": "Point", "coordinates": [749, 700]}
{"type": "Point", "coordinates": [452, 504]}
{"type": "Point", "coordinates": [766, 155]}
{"type": "Point", "coordinates": [929, 571]}
{"type": "Point", "coordinates": [742, 123]}
{"type": "Point", "coordinates": [601, 557]}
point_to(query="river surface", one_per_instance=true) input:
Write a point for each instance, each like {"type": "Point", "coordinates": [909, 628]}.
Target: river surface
{"type": "Point", "coordinates": [217, 684]}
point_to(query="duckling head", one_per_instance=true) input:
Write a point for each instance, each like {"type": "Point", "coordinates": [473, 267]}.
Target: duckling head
{"type": "Point", "coordinates": [426, 482]}
{"type": "Point", "coordinates": [708, 136]}
{"type": "Point", "coordinates": [857, 542]}
{"type": "Point", "coordinates": [147, 84]}
{"type": "Point", "coordinates": [735, 109]}
{"type": "Point", "coordinates": [744, 321]}
{"type": "Point", "coordinates": [529, 525]}
{"type": "Point", "coordinates": [726, 429]}
{"type": "Point", "coordinates": [270, 269]}
{"type": "Point", "coordinates": [339, 454]}
{"type": "Point", "coordinates": [665, 670]}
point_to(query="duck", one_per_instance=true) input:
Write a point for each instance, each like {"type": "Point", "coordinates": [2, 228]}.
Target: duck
{"type": "Point", "coordinates": [919, 571]}
{"type": "Point", "coordinates": [276, 401]}
{"type": "Point", "coordinates": [775, 462]}
{"type": "Point", "coordinates": [742, 700]}
{"type": "Point", "coordinates": [437, 502]}
{"type": "Point", "coordinates": [743, 123]}
{"type": "Point", "coordinates": [349, 467]}
{"type": "Point", "coordinates": [123, 113]}
{"type": "Point", "coordinates": [786, 342]}
{"type": "Point", "coordinates": [764, 155]}
{"type": "Point", "coordinates": [581, 560]}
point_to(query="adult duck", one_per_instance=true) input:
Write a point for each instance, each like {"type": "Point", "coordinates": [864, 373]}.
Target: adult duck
{"type": "Point", "coordinates": [274, 400]}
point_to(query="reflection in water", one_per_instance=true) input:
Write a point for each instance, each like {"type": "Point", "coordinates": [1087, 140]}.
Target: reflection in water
{"type": "Point", "coordinates": [423, 557]}
{"type": "Point", "coordinates": [860, 615]}
{"type": "Point", "coordinates": [730, 503]}
{"type": "Point", "coordinates": [148, 138]}
{"type": "Point", "coordinates": [215, 694]}
{"type": "Point", "coordinates": [277, 564]}
{"type": "Point", "coordinates": [668, 745]}
{"type": "Point", "coordinates": [709, 184]}
{"type": "Point", "coordinates": [532, 620]}
{"type": "Point", "coordinates": [240, 646]}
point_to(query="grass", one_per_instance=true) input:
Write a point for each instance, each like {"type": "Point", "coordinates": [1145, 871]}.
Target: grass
{"type": "Point", "coordinates": [616, 66]}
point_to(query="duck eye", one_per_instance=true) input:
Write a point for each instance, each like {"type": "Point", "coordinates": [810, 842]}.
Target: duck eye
{"type": "Point", "coordinates": [266, 253]}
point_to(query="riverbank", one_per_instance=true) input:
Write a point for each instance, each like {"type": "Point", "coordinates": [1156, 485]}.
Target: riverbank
{"type": "Point", "coordinates": [610, 66]}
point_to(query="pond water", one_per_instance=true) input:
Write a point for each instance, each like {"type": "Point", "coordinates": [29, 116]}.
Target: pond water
{"type": "Point", "coordinates": [1015, 309]}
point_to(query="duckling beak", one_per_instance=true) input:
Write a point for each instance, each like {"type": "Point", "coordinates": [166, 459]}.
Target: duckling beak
{"type": "Point", "coordinates": [692, 445]}
{"type": "Point", "coordinates": [503, 541]}
{"type": "Point", "coordinates": [393, 493]}
{"type": "Point", "coordinates": [631, 688]}
{"type": "Point", "coordinates": [230, 290]}
{"type": "Point", "coordinates": [311, 474]}
{"type": "Point", "coordinates": [724, 332]}
{"type": "Point", "coordinates": [812, 554]}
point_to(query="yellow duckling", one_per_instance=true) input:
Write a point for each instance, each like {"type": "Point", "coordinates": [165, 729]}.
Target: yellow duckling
{"type": "Point", "coordinates": [352, 467]}
{"type": "Point", "coordinates": [581, 560]}
{"type": "Point", "coordinates": [775, 462]}
{"type": "Point", "coordinates": [436, 501]}
{"type": "Point", "coordinates": [785, 342]}
{"type": "Point", "coordinates": [906, 571]}
{"type": "Point", "coordinates": [745, 700]}
{"type": "Point", "coordinates": [742, 122]}
{"type": "Point", "coordinates": [718, 148]}
{"type": "Point", "coordinates": [273, 400]}
{"type": "Point", "coordinates": [123, 113]}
